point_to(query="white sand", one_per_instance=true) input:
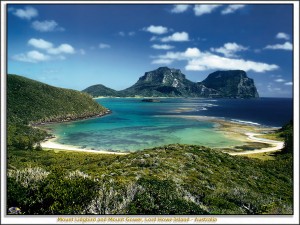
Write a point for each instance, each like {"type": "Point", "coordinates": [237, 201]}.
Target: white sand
{"type": "Point", "coordinates": [54, 145]}
{"type": "Point", "coordinates": [277, 145]}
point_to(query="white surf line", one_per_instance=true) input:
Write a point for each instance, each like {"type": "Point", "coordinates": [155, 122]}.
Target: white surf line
{"type": "Point", "coordinates": [277, 145]}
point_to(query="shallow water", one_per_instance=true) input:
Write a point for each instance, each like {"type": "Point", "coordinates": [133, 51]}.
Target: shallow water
{"type": "Point", "coordinates": [136, 125]}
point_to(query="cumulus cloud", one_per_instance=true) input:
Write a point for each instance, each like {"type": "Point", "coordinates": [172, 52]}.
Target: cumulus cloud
{"type": "Point", "coordinates": [40, 43]}
{"type": "Point", "coordinates": [178, 36]}
{"type": "Point", "coordinates": [46, 26]}
{"type": "Point", "coordinates": [229, 49]}
{"type": "Point", "coordinates": [31, 56]}
{"type": "Point", "coordinates": [286, 46]}
{"type": "Point", "coordinates": [179, 8]}
{"type": "Point", "coordinates": [163, 47]}
{"type": "Point", "coordinates": [282, 35]}
{"type": "Point", "coordinates": [201, 61]}
{"type": "Point", "coordinates": [204, 9]}
{"type": "Point", "coordinates": [49, 49]}
{"type": "Point", "coordinates": [63, 48]}
{"type": "Point", "coordinates": [231, 9]}
{"type": "Point", "coordinates": [103, 45]}
{"type": "Point", "coordinates": [27, 13]}
{"type": "Point", "coordinates": [156, 29]}
{"type": "Point", "coordinates": [288, 83]}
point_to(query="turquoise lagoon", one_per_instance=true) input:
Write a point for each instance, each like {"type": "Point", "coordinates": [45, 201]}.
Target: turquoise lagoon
{"type": "Point", "coordinates": [135, 125]}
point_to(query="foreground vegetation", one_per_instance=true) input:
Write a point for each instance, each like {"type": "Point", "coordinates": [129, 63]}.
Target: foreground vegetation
{"type": "Point", "coordinates": [173, 179]}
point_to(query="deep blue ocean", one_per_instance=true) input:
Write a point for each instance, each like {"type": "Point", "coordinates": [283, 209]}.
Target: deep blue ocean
{"type": "Point", "coordinates": [136, 125]}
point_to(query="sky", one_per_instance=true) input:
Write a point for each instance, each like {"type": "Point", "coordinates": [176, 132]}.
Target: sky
{"type": "Point", "coordinates": [76, 46]}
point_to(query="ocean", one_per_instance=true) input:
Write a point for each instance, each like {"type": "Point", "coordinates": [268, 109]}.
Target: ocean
{"type": "Point", "coordinates": [135, 125]}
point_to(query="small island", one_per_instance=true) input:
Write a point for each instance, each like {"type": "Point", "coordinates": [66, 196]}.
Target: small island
{"type": "Point", "coordinates": [150, 100]}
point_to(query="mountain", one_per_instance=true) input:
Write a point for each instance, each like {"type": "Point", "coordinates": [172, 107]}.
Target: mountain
{"type": "Point", "coordinates": [100, 90]}
{"type": "Point", "coordinates": [163, 82]}
{"type": "Point", "coordinates": [36, 102]}
{"type": "Point", "coordinates": [232, 83]}
{"type": "Point", "coordinates": [166, 82]}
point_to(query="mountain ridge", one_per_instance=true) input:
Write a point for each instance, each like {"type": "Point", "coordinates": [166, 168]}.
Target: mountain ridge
{"type": "Point", "coordinates": [166, 82]}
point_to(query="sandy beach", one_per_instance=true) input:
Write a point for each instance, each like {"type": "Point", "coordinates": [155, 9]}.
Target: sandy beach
{"type": "Point", "coordinates": [54, 145]}
{"type": "Point", "coordinates": [243, 132]}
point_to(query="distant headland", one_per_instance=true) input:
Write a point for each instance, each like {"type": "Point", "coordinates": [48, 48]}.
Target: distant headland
{"type": "Point", "coordinates": [166, 82]}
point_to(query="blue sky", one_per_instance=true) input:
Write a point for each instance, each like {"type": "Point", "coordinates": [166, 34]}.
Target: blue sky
{"type": "Point", "coordinates": [75, 46]}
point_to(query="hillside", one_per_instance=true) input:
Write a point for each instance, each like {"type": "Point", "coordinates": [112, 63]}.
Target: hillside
{"type": "Point", "coordinates": [166, 82]}
{"type": "Point", "coordinates": [101, 90]}
{"type": "Point", "coordinates": [173, 179]}
{"type": "Point", "coordinates": [35, 102]}
{"type": "Point", "coordinates": [31, 102]}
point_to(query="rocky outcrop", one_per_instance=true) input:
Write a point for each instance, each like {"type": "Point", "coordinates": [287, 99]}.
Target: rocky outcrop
{"type": "Point", "coordinates": [231, 84]}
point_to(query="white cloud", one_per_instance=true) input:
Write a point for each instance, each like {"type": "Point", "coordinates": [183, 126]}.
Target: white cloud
{"type": "Point", "coordinates": [201, 61]}
{"type": "Point", "coordinates": [179, 8]}
{"type": "Point", "coordinates": [163, 47]}
{"type": "Point", "coordinates": [162, 61]}
{"type": "Point", "coordinates": [178, 36]}
{"type": "Point", "coordinates": [231, 9]}
{"type": "Point", "coordinates": [40, 43]}
{"type": "Point", "coordinates": [48, 46]}
{"type": "Point", "coordinates": [282, 35]}
{"type": "Point", "coordinates": [229, 49]}
{"type": "Point", "coordinates": [32, 57]}
{"type": "Point", "coordinates": [288, 83]}
{"type": "Point", "coordinates": [286, 46]}
{"type": "Point", "coordinates": [156, 29]}
{"type": "Point", "coordinates": [26, 13]}
{"type": "Point", "coordinates": [103, 45]}
{"type": "Point", "coordinates": [279, 80]}
{"type": "Point", "coordinates": [36, 56]}
{"type": "Point", "coordinates": [204, 9]}
{"type": "Point", "coordinates": [46, 26]}
{"type": "Point", "coordinates": [63, 48]}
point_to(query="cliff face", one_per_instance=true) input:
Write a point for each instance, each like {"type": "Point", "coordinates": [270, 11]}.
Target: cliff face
{"type": "Point", "coordinates": [232, 84]}
{"type": "Point", "coordinates": [163, 82]}
{"type": "Point", "coordinates": [166, 82]}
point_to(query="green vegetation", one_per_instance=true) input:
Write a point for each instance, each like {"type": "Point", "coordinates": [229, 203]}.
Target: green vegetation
{"type": "Point", "coordinates": [100, 90]}
{"type": "Point", "coordinates": [34, 102]}
{"type": "Point", "coordinates": [286, 132]}
{"type": "Point", "coordinates": [173, 179]}
{"type": "Point", "coordinates": [31, 102]}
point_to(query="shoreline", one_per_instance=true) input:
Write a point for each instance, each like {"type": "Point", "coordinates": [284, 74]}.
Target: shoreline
{"type": "Point", "coordinates": [68, 119]}
{"type": "Point", "coordinates": [243, 132]}
{"type": "Point", "coordinates": [51, 144]}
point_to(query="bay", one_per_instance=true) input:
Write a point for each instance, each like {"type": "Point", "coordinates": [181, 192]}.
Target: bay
{"type": "Point", "coordinates": [135, 125]}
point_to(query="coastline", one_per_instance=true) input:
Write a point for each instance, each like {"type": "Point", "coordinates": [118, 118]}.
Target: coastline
{"type": "Point", "coordinates": [51, 144]}
{"type": "Point", "coordinates": [245, 133]}
{"type": "Point", "coordinates": [68, 119]}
